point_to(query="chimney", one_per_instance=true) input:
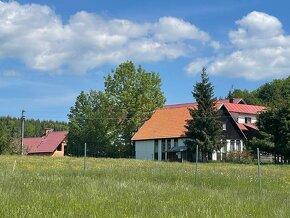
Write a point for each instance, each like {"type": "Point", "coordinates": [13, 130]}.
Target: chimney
{"type": "Point", "coordinates": [47, 131]}
{"type": "Point", "coordinates": [231, 100]}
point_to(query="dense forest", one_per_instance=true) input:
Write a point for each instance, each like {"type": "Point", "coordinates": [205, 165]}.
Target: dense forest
{"type": "Point", "coordinates": [10, 131]}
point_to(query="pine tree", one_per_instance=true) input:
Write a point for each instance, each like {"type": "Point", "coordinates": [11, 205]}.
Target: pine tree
{"type": "Point", "coordinates": [205, 127]}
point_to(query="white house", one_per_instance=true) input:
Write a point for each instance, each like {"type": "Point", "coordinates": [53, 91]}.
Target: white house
{"type": "Point", "coordinates": [162, 136]}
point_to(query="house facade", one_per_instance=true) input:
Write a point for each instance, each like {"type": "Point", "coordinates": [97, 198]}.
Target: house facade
{"type": "Point", "coordinates": [162, 137]}
{"type": "Point", "coordinates": [52, 143]}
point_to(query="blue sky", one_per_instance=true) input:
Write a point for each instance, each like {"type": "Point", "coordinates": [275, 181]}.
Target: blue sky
{"type": "Point", "coordinates": [52, 50]}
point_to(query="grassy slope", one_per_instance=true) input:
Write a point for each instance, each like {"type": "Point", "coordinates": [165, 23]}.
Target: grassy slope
{"type": "Point", "coordinates": [56, 187]}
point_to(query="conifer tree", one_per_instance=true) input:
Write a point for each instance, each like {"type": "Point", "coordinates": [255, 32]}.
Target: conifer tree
{"type": "Point", "coordinates": [205, 127]}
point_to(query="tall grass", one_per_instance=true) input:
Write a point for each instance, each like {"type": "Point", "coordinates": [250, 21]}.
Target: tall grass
{"type": "Point", "coordinates": [56, 187]}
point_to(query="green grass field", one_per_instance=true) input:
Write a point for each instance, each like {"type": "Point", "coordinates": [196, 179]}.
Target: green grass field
{"type": "Point", "coordinates": [56, 187]}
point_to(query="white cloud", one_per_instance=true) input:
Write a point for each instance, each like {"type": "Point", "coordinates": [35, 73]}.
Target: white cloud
{"type": "Point", "coordinates": [10, 73]}
{"type": "Point", "coordinates": [35, 35]}
{"type": "Point", "coordinates": [196, 66]}
{"type": "Point", "coordinates": [260, 49]}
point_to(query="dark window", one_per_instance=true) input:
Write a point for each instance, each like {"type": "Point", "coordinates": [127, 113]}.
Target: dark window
{"type": "Point", "coordinates": [163, 156]}
{"type": "Point", "coordinates": [168, 144]}
{"type": "Point", "coordinates": [163, 145]}
{"type": "Point", "coordinates": [175, 142]}
{"type": "Point", "coordinates": [155, 146]}
{"type": "Point", "coordinates": [59, 147]}
{"type": "Point", "coordinates": [248, 120]}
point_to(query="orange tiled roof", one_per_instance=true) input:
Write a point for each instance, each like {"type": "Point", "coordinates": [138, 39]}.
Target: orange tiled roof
{"type": "Point", "coordinates": [166, 122]}
{"type": "Point", "coordinates": [169, 121]}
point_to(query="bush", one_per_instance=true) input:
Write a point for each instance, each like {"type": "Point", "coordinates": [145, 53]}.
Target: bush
{"type": "Point", "coordinates": [239, 157]}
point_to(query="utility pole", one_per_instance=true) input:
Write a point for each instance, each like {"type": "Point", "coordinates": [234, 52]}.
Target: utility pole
{"type": "Point", "coordinates": [22, 131]}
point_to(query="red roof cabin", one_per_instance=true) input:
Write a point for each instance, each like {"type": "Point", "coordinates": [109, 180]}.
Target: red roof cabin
{"type": "Point", "coordinates": [52, 143]}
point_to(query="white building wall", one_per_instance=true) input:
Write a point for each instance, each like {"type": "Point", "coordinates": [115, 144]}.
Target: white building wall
{"type": "Point", "coordinates": [144, 150]}
{"type": "Point", "coordinates": [241, 118]}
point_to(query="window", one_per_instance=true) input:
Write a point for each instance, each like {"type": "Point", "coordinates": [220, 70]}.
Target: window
{"type": "Point", "coordinates": [238, 144]}
{"type": "Point", "coordinates": [232, 145]}
{"type": "Point", "coordinates": [163, 145]}
{"type": "Point", "coordinates": [224, 126]}
{"type": "Point", "coordinates": [248, 120]}
{"type": "Point", "coordinates": [168, 144]}
{"type": "Point", "coordinates": [175, 142]}
{"type": "Point", "coordinates": [59, 147]}
{"type": "Point", "coordinates": [155, 146]}
{"type": "Point", "coordinates": [155, 149]}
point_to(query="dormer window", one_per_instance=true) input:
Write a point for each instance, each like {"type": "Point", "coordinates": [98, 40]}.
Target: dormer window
{"type": "Point", "coordinates": [248, 120]}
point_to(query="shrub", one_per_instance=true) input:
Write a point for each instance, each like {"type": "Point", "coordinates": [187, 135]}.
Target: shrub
{"type": "Point", "coordinates": [239, 157]}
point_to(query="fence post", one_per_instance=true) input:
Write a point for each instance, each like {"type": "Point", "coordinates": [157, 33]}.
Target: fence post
{"type": "Point", "coordinates": [14, 165]}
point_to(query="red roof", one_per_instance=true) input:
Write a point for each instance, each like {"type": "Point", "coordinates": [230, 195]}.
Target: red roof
{"type": "Point", "coordinates": [236, 100]}
{"type": "Point", "coordinates": [244, 108]}
{"type": "Point", "coordinates": [251, 126]}
{"type": "Point", "coordinates": [169, 121]}
{"type": "Point", "coordinates": [45, 144]}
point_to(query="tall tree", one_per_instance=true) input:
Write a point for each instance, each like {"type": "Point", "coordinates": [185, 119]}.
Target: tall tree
{"type": "Point", "coordinates": [135, 94]}
{"type": "Point", "coordinates": [274, 126]}
{"type": "Point", "coordinates": [90, 122]}
{"type": "Point", "coordinates": [205, 127]}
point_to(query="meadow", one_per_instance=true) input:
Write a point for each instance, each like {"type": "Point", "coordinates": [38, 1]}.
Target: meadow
{"type": "Point", "coordinates": [57, 187]}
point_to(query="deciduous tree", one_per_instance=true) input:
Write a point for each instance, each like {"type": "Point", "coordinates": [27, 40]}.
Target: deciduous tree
{"type": "Point", "coordinates": [135, 94]}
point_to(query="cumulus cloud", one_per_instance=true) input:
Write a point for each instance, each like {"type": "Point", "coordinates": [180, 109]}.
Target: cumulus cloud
{"type": "Point", "coordinates": [260, 49]}
{"type": "Point", "coordinates": [37, 36]}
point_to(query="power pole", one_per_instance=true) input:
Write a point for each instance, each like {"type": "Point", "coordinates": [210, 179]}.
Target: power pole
{"type": "Point", "coordinates": [22, 131]}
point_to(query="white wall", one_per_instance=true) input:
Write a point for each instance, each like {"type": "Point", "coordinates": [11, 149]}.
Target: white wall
{"type": "Point", "coordinates": [241, 118]}
{"type": "Point", "coordinates": [144, 150]}
{"type": "Point", "coordinates": [228, 146]}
